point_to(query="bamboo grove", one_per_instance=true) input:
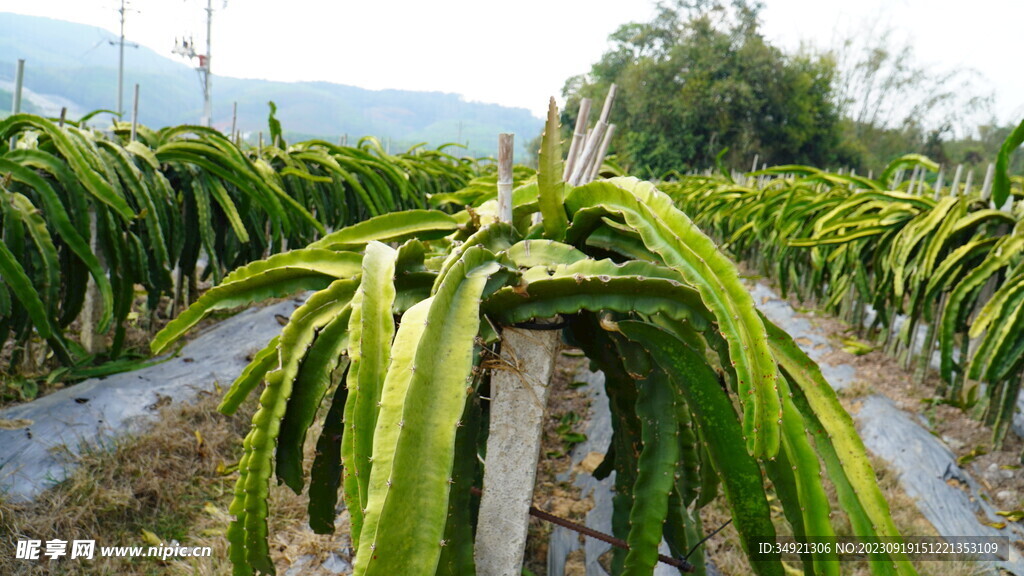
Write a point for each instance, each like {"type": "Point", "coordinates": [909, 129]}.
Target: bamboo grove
{"type": "Point", "coordinates": [160, 210]}
{"type": "Point", "coordinates": [398, 341]}
{"type": "Point", "coordinates": [923, 265]}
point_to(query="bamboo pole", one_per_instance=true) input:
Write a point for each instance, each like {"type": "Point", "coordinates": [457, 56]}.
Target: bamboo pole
{"type": "Point", "coordinates": [519, 390]}
{"type": "Point", "coordinates": [579, 136]}
{"type": "Point", "coordinates": [601, 153]}
{"type": "Point", "coordinates": [583, 168]}
{"type": "Point", "coordinates": [580, 151]}
{"type": "Point", "coordinates": [608, 101]}
{"type": "Point", "coordinates": [505, 183]}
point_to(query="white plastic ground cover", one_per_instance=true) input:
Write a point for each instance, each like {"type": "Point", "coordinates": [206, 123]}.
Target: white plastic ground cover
{"type": "Point", "coordinates": [59, 426]}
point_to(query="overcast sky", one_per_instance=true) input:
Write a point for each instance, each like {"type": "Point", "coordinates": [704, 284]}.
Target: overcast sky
{"type": "Point", "coordinates": [519, 53]}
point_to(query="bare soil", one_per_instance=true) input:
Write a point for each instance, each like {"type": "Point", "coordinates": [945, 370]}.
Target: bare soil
{"type": "Point", "coordinates": [567, 412]}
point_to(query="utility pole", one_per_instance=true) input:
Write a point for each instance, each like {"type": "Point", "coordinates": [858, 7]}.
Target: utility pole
{"type": "Point", "coordinates": [187, 49]}
{"type": "Point", "coordinates": [207, 89]}
{"type": "Point", "coordinates": [120, 63]}
{"type": "Point", "coordinates": [120, 66]}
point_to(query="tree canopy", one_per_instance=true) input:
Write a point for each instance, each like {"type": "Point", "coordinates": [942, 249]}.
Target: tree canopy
{"type": "Point", "coordinates": [700, 77]}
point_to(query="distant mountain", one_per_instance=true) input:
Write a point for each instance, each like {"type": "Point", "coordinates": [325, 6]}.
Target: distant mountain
{"type": "Point", "coordinates": [74, 66]}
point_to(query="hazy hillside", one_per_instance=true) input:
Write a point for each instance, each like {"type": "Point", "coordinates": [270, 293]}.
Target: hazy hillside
{"type": "Point", "coordinates": [73, 65]}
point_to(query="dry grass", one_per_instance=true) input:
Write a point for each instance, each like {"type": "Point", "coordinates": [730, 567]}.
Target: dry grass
{"type": "Point", "coordinates": [175, 481]}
